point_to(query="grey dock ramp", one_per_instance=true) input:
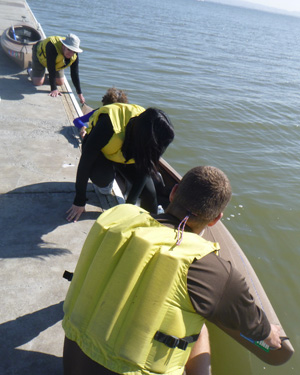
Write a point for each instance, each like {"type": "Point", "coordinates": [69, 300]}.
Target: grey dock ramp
{"type": "Point", "coordinates": [39, 153]}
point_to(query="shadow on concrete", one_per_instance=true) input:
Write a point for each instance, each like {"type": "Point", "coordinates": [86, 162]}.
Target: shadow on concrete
{"type": "Point", "coordinates": [70, 133]}
{"type": "Point", "coordinates": [30, 213]}
{"type": "Point", "coordinates": [20, 331]}
{"type": "Point", "coordinates": [17, 84]}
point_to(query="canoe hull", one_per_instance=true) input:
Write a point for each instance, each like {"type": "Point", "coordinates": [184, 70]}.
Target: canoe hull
{"type": "Point", "coordinates": [20, 49]}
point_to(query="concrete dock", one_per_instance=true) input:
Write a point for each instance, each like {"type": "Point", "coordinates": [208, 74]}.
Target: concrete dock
{"type": "Point", "coordinates": [39, 153]}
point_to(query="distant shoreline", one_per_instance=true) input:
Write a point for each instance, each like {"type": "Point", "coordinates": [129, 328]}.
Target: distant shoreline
{"type": "Point", "coordinates": [255, 6]}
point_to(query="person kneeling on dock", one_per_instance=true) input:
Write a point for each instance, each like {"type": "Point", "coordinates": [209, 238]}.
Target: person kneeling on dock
{"type": "Point", "coordinates": [144, 285]}
{"type": "Point", "coordinates": [56, 53]}
{"type": "Point", "coordinates": [127, 138]}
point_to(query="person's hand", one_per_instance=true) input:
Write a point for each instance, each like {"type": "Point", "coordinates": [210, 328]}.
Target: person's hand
{"type": "Point", "coordinates": [81, 98]}
{"type": "Point", "coordinates": [274, 340]}
{"type": "Point", "coordinates": [82, 132]}
{"type": "Point", "coordinates": [55, 93]}
{"type": "Point", "coordinates": [75, 212]}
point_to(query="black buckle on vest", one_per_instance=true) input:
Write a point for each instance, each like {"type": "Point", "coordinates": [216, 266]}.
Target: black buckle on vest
{"type": "Point", "coordinates": [68, 275]}
{"type": "Point", "coordinates": [171, 341]}
{"type": "Point", "coordinates": [182, 344]}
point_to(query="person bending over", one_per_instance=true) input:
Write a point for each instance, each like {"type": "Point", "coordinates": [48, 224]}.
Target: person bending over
{"type": "Point", "coordinates": [145, 284]}
{"type": "Point", "coordinates": [111, 96]}
{"type": "Point", "coordinates": [127, 138]}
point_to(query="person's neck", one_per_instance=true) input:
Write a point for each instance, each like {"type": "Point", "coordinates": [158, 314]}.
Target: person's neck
{"type": "Point", "coordinates": [193, 225]}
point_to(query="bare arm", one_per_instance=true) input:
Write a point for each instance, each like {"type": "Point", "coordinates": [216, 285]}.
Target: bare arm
{"type": "Point", "coordinates": [199, 362]}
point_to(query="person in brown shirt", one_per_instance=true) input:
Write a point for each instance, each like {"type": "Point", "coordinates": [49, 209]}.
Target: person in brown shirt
{"type": "Point", "coordinates": [218, 292]}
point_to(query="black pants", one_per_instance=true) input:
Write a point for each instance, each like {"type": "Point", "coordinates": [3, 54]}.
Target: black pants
{"type": "Point", "coordinates": [103, 173]}
{"type": "Point", "coordinates": [77, 363]}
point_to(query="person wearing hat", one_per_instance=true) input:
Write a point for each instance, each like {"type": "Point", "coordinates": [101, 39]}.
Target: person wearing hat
{"type": "Point", "coordinates": [56, 53]}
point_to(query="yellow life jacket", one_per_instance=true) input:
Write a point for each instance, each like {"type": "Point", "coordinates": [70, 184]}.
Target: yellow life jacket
{"type": "Point", "coordinates": [119, 114]}
{"type": "Point", "coordinates": [60, 59]}
{"type": "Point", "coordinates": [129, 283]}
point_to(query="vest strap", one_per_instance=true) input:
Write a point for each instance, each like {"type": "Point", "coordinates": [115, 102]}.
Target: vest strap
{"type": "Point", "coordinates": [68, 275]}
{"type": "Point", "coordinates": [173, 341]}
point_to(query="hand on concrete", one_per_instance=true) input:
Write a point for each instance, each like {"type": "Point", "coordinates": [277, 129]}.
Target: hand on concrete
{"type": "Point", "coordinates": [81, 98]}
{"type": "Point", "coordinates": [273, 340]}
{"type": "Point", "coordinates": [55, 93]}
{"type": "Point", "coordinates": [75, 212]}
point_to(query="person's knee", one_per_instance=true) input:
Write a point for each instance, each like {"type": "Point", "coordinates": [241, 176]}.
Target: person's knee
{"type": "Point", "coordinates": [60, 81]}
{"type": "Point", "coordinates": [37, 81]}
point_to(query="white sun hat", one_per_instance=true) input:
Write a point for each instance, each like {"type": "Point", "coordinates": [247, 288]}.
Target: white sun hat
{"type": "Point", "coordinates": [72, 42]}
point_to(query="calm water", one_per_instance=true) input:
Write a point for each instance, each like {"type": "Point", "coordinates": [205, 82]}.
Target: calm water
{"type": "Point", "coordinates": [229, 78]}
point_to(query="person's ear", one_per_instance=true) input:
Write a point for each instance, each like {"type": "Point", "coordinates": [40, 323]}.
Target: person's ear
{"type": "Point", "coordinates": [173, 191]}
{"type": "Point", "coordinates": [213, 222]}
